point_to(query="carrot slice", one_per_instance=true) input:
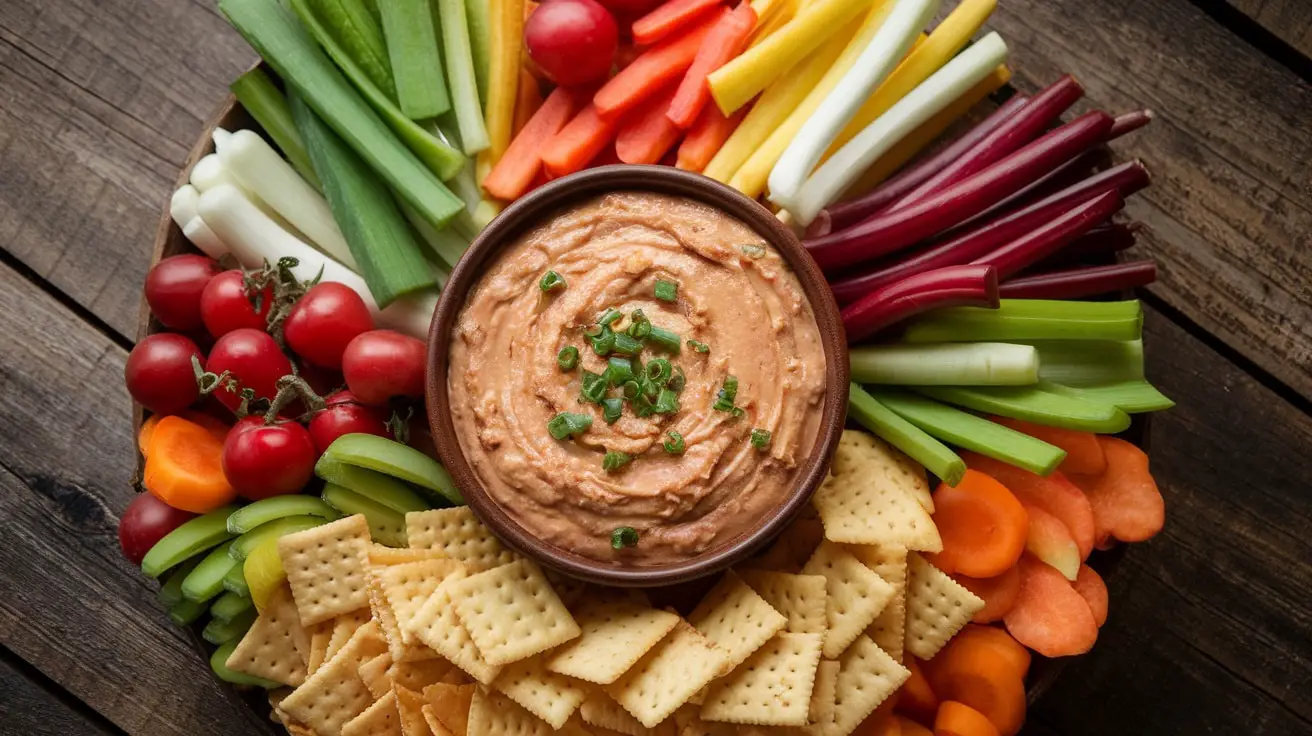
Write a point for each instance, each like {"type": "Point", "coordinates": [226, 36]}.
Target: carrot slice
{"type": "Point", "coordinates": [184, 467]}
{"type": "Point", "coordinates": [668, 18]}
{"type": "Point", "coordinates": [649, 73]}
{"type": "Point", "coordinates": [881, 722]}
{"type": "Point", "coordinates": [724, 41]}
{"type": "Point", "coordinates": [1055, 494]}
{"type": "Point", "coordinates": [974, 644]}
{"type": "Point", "coordinates": [528, 99]}
{"type": "Point", "coordinates": [1050, 617]}
{"type": "Point", "coordinates": [1050, 541]}
{"type": "Point", "coordinates": [1125, 500]}
{"type": "Point", "coordinates": [917, 698]}
{"type": "Point", "coordinates": [1083, 453]}
{"type": "Point", "coordinates": [144, 434]}
{"type": "Point", "coordinates": [911, 728]}
{"type": "Point", "coordinates": [982, 524]}
{"type": "Point", "coordinates": [706, 136]}
{"type": "Point", "coordinates": [647, 133]}
{"type": "Point", "coordinates": [578, 142]}
{"type": "Point", "coordinates": [514, 173]}
{"type": "Point", "coordinates": [999, 594]}
{"type": "Point", "coordinates": [959, 719]}
{"type": "Point", "coordinates": [1090, 586]}
{"type": "Point", "coordinates": [983, 667]}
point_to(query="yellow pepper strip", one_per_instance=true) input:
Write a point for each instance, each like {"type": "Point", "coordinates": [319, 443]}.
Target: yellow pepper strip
{"type": "Point", "coordinates": [507, 18]}
{"type": "Point", "coordinates": [775, 105]}
{"type": "Point", "coordinates": [751, 177]}
{"type": "Point", "coordinates": [947, 39]}
{"type": "Point", "coordinates": [929, 131]}
{"type": "Point", "coordinates": [736, 83]}
{"type": "Point", "coordinates": [776, 15]}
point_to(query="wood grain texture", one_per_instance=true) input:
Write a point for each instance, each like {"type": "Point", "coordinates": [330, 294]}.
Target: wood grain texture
{"type": "Point", "coordinates": [27, 708]}
{"type": "Point", "coordinates": [1289, 20]}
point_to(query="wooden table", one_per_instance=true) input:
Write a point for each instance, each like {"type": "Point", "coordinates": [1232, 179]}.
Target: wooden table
{"type": "Point", "coordinates": [1211, 622]}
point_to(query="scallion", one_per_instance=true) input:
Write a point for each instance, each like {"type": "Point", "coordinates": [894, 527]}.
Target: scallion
{"type": "Point", "coordinates": [675, 444]}
{"type": "Point", "coordinates": [613, 461]}
{"type": "Point", "coordinates": [610, 317]}
{"type": "Point", "coordinates": [659, 371]}
{"type": "Point", "coordinates": [677, 381]}
{"type": "Point", "coordinates": [262, 99]}
{"type": "Point", "coordinates": [947, 364]}
{"type": "Point", "coordinates": [593, 387]}
{"type": "Point", "coordinates": [640, 326]}
{"type": "Point", "coordinates": [568, 358]}
{"type": "Point", "coordinates": [699, 347]}
{"type": "Point", "coordinates": [665, 339]}
{"type": "Point", "coordinates": [1031, 319]}
{"type": "Point", "coordinates": [905, 436]}
{"type": "Point", "coordinates": [753, 251]}
{"type": "Point", "coordinates": [625, 536]}
{"type": "Point", "coordinates": [619, 371]}
{"type": "Point", "coordinates": [551, 281]}
{"type": "Point", "coordinates": [666, 291]}
{"type": "Point", "coordinates": [667, 402]}
{"type": "Point", "coordinates": [568, 424]}
{"type": "Point", "coordinates": [643, 406]}
{"type": "Point", "coordinates": [611, 409]}
{"type": "Point", "coordinates": [605, 343]}
{"type": "Point", "coordinates": [1089, 362]}
{"type": "Point", "coordinates": [760, 438]}
{"type": "Point", "coordinates": [727, 395]}
{"type": "Point", "coordinates": [631, 389]}
{"type": "Point", "coordinates": [626, 344]}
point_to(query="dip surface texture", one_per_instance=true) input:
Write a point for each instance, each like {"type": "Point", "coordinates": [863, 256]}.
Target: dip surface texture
{"type": "Point", "coordinates": [735, 294]}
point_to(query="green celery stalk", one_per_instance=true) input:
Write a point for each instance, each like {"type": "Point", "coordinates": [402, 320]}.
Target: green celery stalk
{"type": "Point", "coordinates": [265, 102]}
{"type": "Point", "coordinates": [445, 243]}
{"type": "Point", "coordinates": [946, 364]}
{"type": "Point", "coordinates": [478, 13]}
{"type": "Point", "coordinates": [358, 31]}
{"type": "Point", "coordinates": [390, 261]}
{"type": "Point", "coordinates": [416, 59]}
{"type": "Point", "coordinates": [461, 75]}
{"type": "Point", "coordinates": [228, 605]}
{"type": "Point", "coordinates": [905, 436]}
{"type": "Point", "coordinates": [1035, 405]}
{"type": "Point", "coordinates": [1087, 362]}
{"type": "Point", "coordinates": [971, 432]}
{"type": "Point", "coordinates": [1031, 319]}
{"type": "Point", "coordinates": [1133, 397]}
{"type": "Point", "coordinates": [218, 631]}
{"type": "Point", "coordinates": [283, 43]}
{"type": "Point", "coordinates": [372, 5]}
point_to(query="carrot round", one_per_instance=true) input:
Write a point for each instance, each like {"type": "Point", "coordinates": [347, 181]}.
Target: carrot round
{"type": "Point", "coordinates": [144, 434]}
{"type": "Point", "coordinates": [706, 136]}
{"type": "Point", "coordinates": [669, 18]}
{"type": "Point", "coordinates": [1050, 541]}
{"type": "Point", "coordinates": [977, 647]}
{"type": "Point", "coordinates": [1083, 453]}
{"type": "Point", "coordinates": [911, 728]}
{"type": "Point", "coordinates": [882, 722]}
{"type": "Point", "coordinates": [1050, 617]}
{"type": "Point", "coordinates": [1126, 502]}
{"type": "Point", "coordinates": [647, 133]}
{"type": "Point", "coordinates": [211, 423]}
{"type": "Point", "coordinates": [998, 593]}
{"type": "Point", "coordinates": [983, 526]}
{"type": "Point", "coordinates": [1055, 494]}
{"type": "Point", "coordinates": [986, 684]}
{"type": "Point", "coordinates": [577, 143]}
{"type": "Point", "coordinates": [184, 468]}
{"type": "Point", "coordinates": [513, 175]}
{"type": "Point", "coordinates": [959, 719]}
{"type": "Point", "coordinates": [1090, 586]}
{"type": "Point", "coordinates": [916, 698]}
{"type": "Point", "coordinates": [650, 72]}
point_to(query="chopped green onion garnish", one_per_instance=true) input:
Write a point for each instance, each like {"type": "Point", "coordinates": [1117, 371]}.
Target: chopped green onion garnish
{"type": "Point", "coordinates": [625, 536]}
{"type": "Point", "coordinates": [551, 281]}
{"type": "Point", "coordinates": [568, 358]}
{"type": "Point", "coordinates": [619, 371]}
{"type": "Point", "coordinates": [594, 387]}
{"type": "Point", "coordinates": [567, 424]}
{"type": "Point", "coordinates": [610, 317]}
{"type": "Point", "coordinates": [738, 412]}
{"type": "Point", "coordinates": [727, 395]}
{"type": "Point", "coordinates": [674, 445]}
{"type": "Point", "coordinates": [631, 390]}
{"type": "Point", "coordinates": [760, 438]}
{"type": "Point", "coordinates": [699, 347]}
{"type": "Point", "coordinates": [640, 327]}
{"type": "Point", "coordinates": [593, 330]}
{"type": "Point", "coordinates": [677, 381]}
{"type": "Point", "coordinates": [658, 371]}
{"type": "Point", "coordinates": [611, 409]}
{"type": "Point", "coordinates": [642, 406]}
{"type": "Point", "coordinates": [605, 344]}
{"type": "Point", "coordinates": [666, 291]}
{"type": "Point", "coordinates": [667, 402]}
{"type": "Point", "coordinates": [626, 345]}
{"type": "Point", "coordinates": [669, 341]}
{"type": "Point", "coordinates": [753, 251]}
{"type": "Point", "coordinates": [615, 460]}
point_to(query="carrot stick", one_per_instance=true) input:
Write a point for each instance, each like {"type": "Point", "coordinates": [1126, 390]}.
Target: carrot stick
{"type": "Point", "coordinates": [507, 36]}
{"type": "Point", "coordinates": [1125, 500]}
{"type": "Point", "coordinates": [1050, 617]}
{"type": "Point", "coordinates": [514, 173]}
{"type": "Point", "coordinates": [1094, 592]}
{"type": "Point", "coordinates": [669, 18]}
{"type": "Point", "coordinates": [647, 133]}
{"type": "Point", "coordinates": [983, 667]}
{"type": "Point", "coordinates": [912, 728]}
{"type": "Point", "coordinates": [706, 136]}
{"type": "Point", "coordinates": [983, 526]}
{"type": "Point", "coordinates": [959, 719]}
{"type": "Point", "coordinates": [723, 42]}
{"type": "Point", "coordinates": [184, 467]}
{"type": "Point", "coordinates": [998, 592]}
{"type": "Point", "coordinates": [1055, 494]}
{"type": "Point", "coordinates": [917, 698]}
{"type": "Point", "coordinates": [578, 142]}
{"type": "Point", "coordinates": [1084, 455]}
{"type": "Point", "coordinates": [527, 101]}
{"type": "Point", "coordinates": [650, 72]}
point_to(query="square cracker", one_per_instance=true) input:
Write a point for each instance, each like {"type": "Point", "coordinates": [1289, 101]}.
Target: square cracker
{"type": "Point", "coordinates": [319, 635]}
{"type": "Point", "coordinates": [615, 635]}
{"type": "Point", "coordinates": [268, 649]}
{"type": "Point", "coordinates": [669, 675]}
{"type": "Point", "coordinates": [493, 714]}
{"type": "Point", "coordinates": [437, 625]}
{"type": "Point", "coordinates": [379, 719]}
{"type": "Point", "coordinates": [374, 673]}
{"type": "Point", "coordinates": [402, 590]}
{"type": "Point", "coordinates": [343, 628]}
{"type": "Point", "coordinates": [860, 503]}
{"type": "Point", "coordinates": [793, 547]}
{"type": "Point", "coordinates": [855, 595]}
{"type": "Point", "coordinates": [545, 694]}
{"type": "Point", "coordinates": [419, 675]}
{"type": "Point", "coordinates": [410, 706]}
{"type": "Point", "coordinates": [434, 723]}
{"type": "Point", "coordinates": [511, 612]}
{"type": "Point", "coordinates": [937, 607]}
{"type": "Point", "coordinates": [327, 568]}
{"type": "Point", "coordinates": [335, 693]}
{"type": "Point", "coordinates": [821, 710]}
{"type": "Point", "coordinates": [458, 534]}
{"type": "Point", "coordinates": [772, 688]}
{"type": "Point", "coordinates": [800, 598]}
{"type": "Point", "coordinates": [866, 677]}
{"type": "Point", "coordinates": [736, 620]}
{"type": "Point", "coordinates": [380, 555]}
{"type": "Point", "coordinates": [889, 628]}
{"type": "Point", "coordinates": [603, 715]}
{"type": "Point", "coordinates": [450, 704]}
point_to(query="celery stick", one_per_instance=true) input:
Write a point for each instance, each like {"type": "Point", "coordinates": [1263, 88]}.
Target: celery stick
{"type": "Point", "coordinates": [265, 102]}
{"type": "Point", "coordinates": [395, 459]}
{"type": "Point", "coordinates": [905, 436]}
{"type": "Point", "coordinates": [171, 591]}
{"type": "Point", "coordinates": [376, 233]}
{"type": "Point", "coordinates": [283, 43]}
{"type": "Point", "coordinates": [235, 581]}
{"type": "Point", "coordinates": [461, 75]}
{"type": "Point", "coordinates": [1089, 362]}
{"type": "Point", "coordinates": [445, 243]}
{"type": "Point", "coordinates": [1035, 405]}
{"type": "Point", "coordinates": [478, 13]}
{"type": "Point", "coordinates": [1031, 319]}
{"type": "Point", "coordinates": [371, 484]}
{"type": "Point", "coordinates": [1134, 397]}
{"type": "Point", "coordinates": [358, 31]}
{"type": "Point", "coordinates": [386, 526]}
{"type": "Point", "coordinates": [971, 432]}
{"type": "Point", "coordinates": [219, 631]}
{"type": "Point", "coordinates": [416, 60]}
{"type": "Point", "coordinates": [186, 611]}
{"type": "Point", "coordinates": [228, 605]}
{"type": "Point", "coordinates": [948, 364]}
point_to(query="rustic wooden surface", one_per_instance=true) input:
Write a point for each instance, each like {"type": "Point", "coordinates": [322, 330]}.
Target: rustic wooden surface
{"type": "Point", "coordinates": [1211, 623]}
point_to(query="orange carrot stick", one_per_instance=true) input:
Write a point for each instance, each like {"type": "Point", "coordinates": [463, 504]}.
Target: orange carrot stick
{"type": "Point", "coordinates": [707, 135]}
{"type": "Point", "coordinates": [528, 98]}
{"type": "Point", "coordinates": [1083, 453]}
{"type": "Point", "coordinates": [184, 467]}
{"type": "Point", "coordinates": [983, 667]}
{"type": "Point", "coordinates": [998, 592]}
{"type": "Point", "coordinates": [983, 526]}
{"type": "Point", "coordinates": [959, 719]}
{"type": "Point", "coordinates": [513, 174]}
{"type": "Point", "coordinates": [1050, 617]}
{"type": "Point", "coordinates": [650, 72]}
{"type": "Point", "coordinates": [647, 133]}
{"type": "Point", "coordinates": [1090, 586]}
{"type": "Point", "coordinates": [911, 728]}
{"type": "Point", "coordinates": [917, 698]}
{"type": "Point", "coordinates": [578, 142]}
{"type": "Point", "coordinates": [1055, 494]}
{"type": "Point", "coordinates": [1125, 500]}
{"type": "Point", "coordinates": [723, 42]}
{"type": "Point", "coordinates": [668, 18]}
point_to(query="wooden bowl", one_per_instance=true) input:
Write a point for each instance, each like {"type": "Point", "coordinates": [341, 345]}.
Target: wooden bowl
{"type": "Point", "coordinates": [536, 208]}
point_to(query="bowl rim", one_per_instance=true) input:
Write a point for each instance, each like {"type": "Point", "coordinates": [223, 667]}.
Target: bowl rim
{"type": "Point", "coordinates": [532, 209]}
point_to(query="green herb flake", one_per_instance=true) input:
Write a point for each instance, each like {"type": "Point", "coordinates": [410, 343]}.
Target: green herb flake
{"type": "Point", "coordinates": [753, 251]}
{"type": "Point", "coordinates": [666, 291]}
{"type": "Point", "coordinates": [614, 461]}
{"type": "Point", "coordinates": [551, 281]}
{"type": "Point", "coordinates": [699, 347]}
{"type": "Point", "coordinates": [567, 424]}
{"type": "Point", "coordinates": [675, 444]}
{"type": "Point", "coordinates": [760, 439]}
{"type": "Point", "coordinates": [625, 536]}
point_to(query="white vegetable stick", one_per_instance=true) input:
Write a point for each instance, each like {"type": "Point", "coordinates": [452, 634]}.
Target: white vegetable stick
{"type": "Point", "coordinates": [209, 172]}
{"type": "Point", "coordinates": [220, 136]}
{"type": "Point", "coordinates": [254, 237]}
{"type": "Point", "coordinates": [890, 43]}
{"type": "Point", "coordinates": [182, 206]}
{"type": "Point", "coordinates": [931, 96]}
{"type": "Point", "coordinates": [204, 238]}
{"type": "Point", "coordinates": [260, 170]}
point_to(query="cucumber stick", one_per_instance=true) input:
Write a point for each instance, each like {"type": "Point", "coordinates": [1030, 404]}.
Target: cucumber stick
{"type": "Point", "coordinates": [376, 233]}
{"type": "Point", "coordinates": [186, 611]}
{"type": "Point", "coordinates": [462, 74]}
{"type": "Point", "coordinates": [415, 56]}
{"type": "Point", "coordinates": [905, 436]}
{"type": "Point", "coordinates": [170, 593]}
{"type": "Point", "coordinates": [478, 13]}
{"type": "Point", "coordinates": [1032, 404]}
{"type": "Point", "coordinates": [278, 38]}
{"type": "Point", "coordinates": [206, 581]}
{"type": "Point", "coordinates": [357, 29]}
{"type": "Point", "coordinates": [235, 582]}
{"type": "Point", "coordinates": [265, 102]}
{"type": "Point", "coordinates": [394, 459]}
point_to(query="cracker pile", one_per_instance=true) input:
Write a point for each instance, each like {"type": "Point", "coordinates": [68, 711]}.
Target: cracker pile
{"type": "Point", "coordinates": [457, 635]}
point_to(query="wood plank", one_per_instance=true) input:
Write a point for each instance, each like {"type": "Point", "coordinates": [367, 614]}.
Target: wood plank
{"type": "Point", "coordinates": [27, 708]}
{"type": "Point", "coordinates": [1229, 214]}
{"type": "Point", "coordinates": [1289, 20]}
{"type": "Point", "coordinates": [70, 605]}
{"type": "Point", "coordinates": [1209, 627]}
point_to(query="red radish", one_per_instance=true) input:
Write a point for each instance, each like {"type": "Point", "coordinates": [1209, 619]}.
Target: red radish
{"type": "Point", "coordinates": [159, 372]}
{"type": "Point", "coordinates": [225, 306]}
{"type": "Point", "coordinates": [630, 8]}
{"type": "Point", "coordinates": [955, 286]}
{"type": "Point", "coordinates": [1050, 541]}
{"type": "Point", "coordinates": [1050, 617]}
{"type": "Point", "coordinates": [146, 521]}
{"type": "Point", "coordinates": [344, 414]}
{"type": "Point", "coordinates": [572, 41]}
{"type": "Point", "coordinates": [263, 460]}
{"type": "Point", "coordinates": [1078, 283]}
{"type": "Point", "coordinates": [253, 360]}
{"type": "Point", "coordinates": [1054, 494]}
{"type": "Point", "coordinates": [173, 289]}
{"type": "Point", "coordinates": [1090, 586]}
{"type": "Point", "coordinates": [998, 593]}
{"type": "Point", "coordinates": [324, 320]}
{"type": "Point", "coordinates": [1125, 501]}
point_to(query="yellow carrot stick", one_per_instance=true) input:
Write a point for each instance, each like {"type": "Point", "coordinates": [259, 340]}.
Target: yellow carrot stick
{"type": "Point", "coordinates": [751, 177]}
{"type": "Point", "coordinates": [775, 105]}
{"type": "Point", "coordinates": [777, 14]}
{"type": "Point", "coordinates": [928, 132]}
{"type": "Point", "coordinates": [507, 18]}
{"type": "Point", "coordinates": [945, 41]}
{"type": "Point", "coordinates": [736, 83]}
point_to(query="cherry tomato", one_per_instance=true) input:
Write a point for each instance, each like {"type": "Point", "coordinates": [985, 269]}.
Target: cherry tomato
{"type": "Point", "coordinates": [146, 521]}
{"type": "Point", "coordinates": [324, 321]}
{"type": "Point", "coordinates": [262, 460]}
{"type": "Point", "coordinates": [346, 415]}
{"type": "Point", "coordinates": [572, 41]}
{"type": "Point", "coordinates": [630, 10]}
{"type": "Point", "coordinates": [225, 306]}
{"type": "Point", "coordinates": [253, 359]}
{"type": "Point", "coordinates": [159, 374]}
{"type": "Point", "coordinates": [381, 364]}
{"type": "Point", "coordinates": [174, 287]}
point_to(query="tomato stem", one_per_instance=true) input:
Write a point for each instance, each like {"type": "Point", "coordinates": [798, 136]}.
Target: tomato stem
{"type": "Point", "coordinates": [291, 388]}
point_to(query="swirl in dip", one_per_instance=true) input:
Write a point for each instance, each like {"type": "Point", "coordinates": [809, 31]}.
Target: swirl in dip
{"type": "Point", "coordinates": [734, 295]}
